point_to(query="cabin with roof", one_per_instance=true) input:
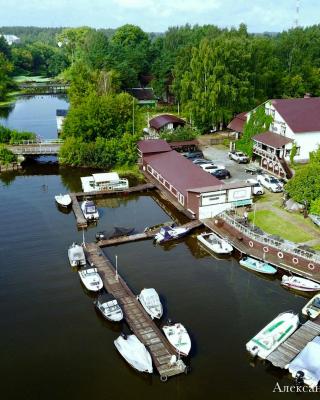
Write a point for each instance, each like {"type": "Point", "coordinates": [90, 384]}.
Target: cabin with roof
{"type": "Point", "coordinates": [144, 95]}
{"type": "Point", "coordinates": [200, 194]}
{"type": "Point", "coordinates": [237, 124]}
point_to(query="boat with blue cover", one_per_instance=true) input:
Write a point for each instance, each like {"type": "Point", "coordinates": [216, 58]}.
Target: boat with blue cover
{"type": "Point", "coordinates": [257, 266]}
{"type": "Point", "coordinates": [168, 233]}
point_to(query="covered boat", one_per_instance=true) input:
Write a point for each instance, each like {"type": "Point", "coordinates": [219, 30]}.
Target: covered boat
{"type": "Point", "coordinates": [64, 200]}
{"type": "Point", "coordinates": [275, 333]}
{"type": "Point", "coordinates": [134, 352]}
{"type": "Point", "coordinates": [76, 255]}
{"type": "Point", "coordinates": [179, 338]}
{"type": "Point", "coordinates": [312, 308]}
{"type": "Point", "coordinates": [167, 233]}
{"type": "Point", "coordinates": [306, 366]}
{"type": "Point", "coordinates": [91, 279]}
{"type": "Point", "coordinates": [89, 210]}
{"type": "Point", "coordinates": [214, 243]}
{"type": "Point", "coordinates": [150, 301]}
{"type": "Point", "coordinates": [109, 307]}
{"type": "Point", "coordinates": [104, 181]}
{"type": "Point", "coordinates": [297, 283]}
{"type": "Point", "coordinates": [257, 266]}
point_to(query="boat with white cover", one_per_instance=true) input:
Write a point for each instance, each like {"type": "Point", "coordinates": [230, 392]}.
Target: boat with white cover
{"type": "Point", "coordinates": [89, 210]}
{"type": "Point", "coordinates": [257, 266]}
{"type": "Point", "coordinates": [104, 181]}
{"type": "Point", "coordinates": [76, 255]}
{"type": "Point", "coordinates": [134, 352]}
{"type": "Point", "coordinates": [275, 333]}
{"type": "Point", "coordinates": [64, 200]}
{"type": "Point", "coordinates": [297, 283]}
{"type": "Point", "coordinates": [214, 243]}
{"type": "Point", "coordinates": [109, 307]}
{"type": "Point", "coordinates": [167, 233]}
{"type": "Point", "coordinates": [312, 308]}
{"type": "Point", "coordinates": [150, 301]}
{"type": "Point", "coordinates": [91, 279]}
{"type": "Point", "coordinates": [178, 337]}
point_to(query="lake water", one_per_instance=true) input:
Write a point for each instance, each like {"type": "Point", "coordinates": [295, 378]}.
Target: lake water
{"type": "Point", "coordinates": [55, 346]}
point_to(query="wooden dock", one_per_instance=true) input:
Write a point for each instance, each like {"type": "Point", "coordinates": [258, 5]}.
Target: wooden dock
{"type": "Point", "coordinates": [139, 321]}
{"type": "Point", "coordinates": [144, 235]}
{"type": "Point", "coordinates": [81, 221]}
{"type": "Point", "coordinates": [289, 349]}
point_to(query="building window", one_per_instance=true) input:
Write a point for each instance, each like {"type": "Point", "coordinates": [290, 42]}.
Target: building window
{"type": "Point", "coordinates": [298, 151]}
{"type": "Point", "coordinates": [283, 129]}
{"type": "Point", "coordinates": [174, 192]}
{"type": "Point", "coordinates": [160, 179]}
{"type": "Point", "coordinates": [149, 169]}
{"type": "Point", "coordinates": [167, 185]}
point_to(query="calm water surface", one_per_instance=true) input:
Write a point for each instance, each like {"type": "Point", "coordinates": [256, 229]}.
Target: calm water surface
{"type": "Point", "coordinates": [55, 346]}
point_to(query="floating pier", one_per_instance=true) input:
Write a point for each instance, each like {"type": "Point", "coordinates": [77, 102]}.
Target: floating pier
{"type": "Point", "coordinates": [289, 349]}
{"type": "Point", "coordinates": [81, 221]}
{"type": "Point", "coordinates": [139, 321]}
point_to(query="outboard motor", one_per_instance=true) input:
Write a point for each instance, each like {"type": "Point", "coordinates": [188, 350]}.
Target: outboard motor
{"type": "Point", "coordinates": [100, 236]}
{"type": "Point", "coordinates": [124, 335]}
{"type": "Point", "coordinates": [254, 351]}
{"type": "Point", "coordinates": [299, 379]}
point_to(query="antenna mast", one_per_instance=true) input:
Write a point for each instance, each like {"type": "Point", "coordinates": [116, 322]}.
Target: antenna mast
{"type": "Point", "coordinates": [297, 13]}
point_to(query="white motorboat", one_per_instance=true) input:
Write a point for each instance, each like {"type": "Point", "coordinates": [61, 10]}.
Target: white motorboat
{"type": "Point", "coordinates": [275, 333]}
{"type": "Point", "coordinates": [312, 308]}
{"type": "Point", "coordinates": [214, 243]}
{"type": "Point", "coordinates": [64, 200]}
{"type": "Point", "coordinates": [91, 279]}
{"type": "Point", "coordinates": [76, 255]}
{"type": "Point", "coordinates": [179, 338]}
{"type": "Point", "coordinates": [150, 301]}
{"type": "Point", "coordinates": [89, 210]}
{"type": "Point", "coordinates": [104, 181]}
{"type": "Point", "coordinates": [109, 307]}
{"type": "Point", "coordinates": [302, 284]}
{"type": "Point", "coordinates": [167, 233]}
{"type": "Point", "coordinates": [134, 352]}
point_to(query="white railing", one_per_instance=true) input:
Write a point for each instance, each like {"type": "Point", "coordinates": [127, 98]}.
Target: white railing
{"type": "Point", "coordinates": [270, 156]}
{"type": "Point", "coordinates": [36, 142]}
{"type": "Point", "coordinates": [286, 246]}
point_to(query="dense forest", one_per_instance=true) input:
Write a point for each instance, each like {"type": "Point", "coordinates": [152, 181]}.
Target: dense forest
{"type": "Point", "coordinates": [212, 73]}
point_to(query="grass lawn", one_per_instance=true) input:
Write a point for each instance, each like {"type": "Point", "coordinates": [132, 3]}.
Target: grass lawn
{"type": "Point", "coordinates": [23, 78]}
{"type": "Point", "coordinates": [275, 225]}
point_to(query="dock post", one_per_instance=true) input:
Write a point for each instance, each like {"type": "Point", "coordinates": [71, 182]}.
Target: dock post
{"type": "Point", "coordinates": [117, 277]}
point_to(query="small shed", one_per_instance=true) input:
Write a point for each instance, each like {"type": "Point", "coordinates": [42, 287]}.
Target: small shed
{"type": "Point", "coordinates": [166, 122]}
{"type": "Point", "coordinates": [237, 124]}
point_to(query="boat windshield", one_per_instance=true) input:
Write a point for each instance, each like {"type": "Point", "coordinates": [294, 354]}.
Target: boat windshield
{"type": "Point", "coordinates": [91, 209]}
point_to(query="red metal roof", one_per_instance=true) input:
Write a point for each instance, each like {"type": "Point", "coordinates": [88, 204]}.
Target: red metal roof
{"type": "Point", "coordinates": [180, 172]}
{"type": "Point", "coordinates": [153, 146]}
{"type": "Point", "coordinates": [302, 115]}
{"type": "Point", "coordinates": [272, 139]}
{"type": "Point", "coordinates": [238, 122]}
{"type": "Point", "coordinates": [161, 120]}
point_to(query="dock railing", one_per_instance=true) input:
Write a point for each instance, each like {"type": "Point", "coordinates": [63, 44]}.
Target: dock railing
{"type": "Point", "coordinates": [286, 246]}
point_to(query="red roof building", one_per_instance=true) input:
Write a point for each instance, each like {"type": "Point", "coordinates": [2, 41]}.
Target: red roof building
{"type": "Point", "coordinates": [237, 124]}
{"type": "Point", "coordinates": [166, 121]}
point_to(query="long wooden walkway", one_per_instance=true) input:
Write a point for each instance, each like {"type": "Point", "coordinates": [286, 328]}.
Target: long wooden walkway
{"type": "Point", "coordinates": [139, 321]}
{"type": "Point", "coordinates": [289, 349]}
{"type": "Point", "coordinates": [81, 221]}
{"type": "Point", "coordinates": [144, 235]}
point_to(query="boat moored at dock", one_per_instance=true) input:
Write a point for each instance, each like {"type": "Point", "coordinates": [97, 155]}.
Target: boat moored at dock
{"type": "Point", "coordinates": [64, 200]}
{"type": "Point", "coordinates": [109, 307]}
{"type": "Point", "coordinates": [90, 210]}
{"type": "Point", "coordinates": [214, 243]}
{"type": "Point", "coordinates": [178, 337]}
{"type": "Point", "coordinates": [76, 255]}
{"type": "Point", "coordinates": [134, 352]}
{"type": "Point", "coordinates": [302, 284]}
{"type": "Point", "coordinates": [275, 333]}
{"type": "Point", "coordinates": [257, 266]}
{"type": "Point", "coordinates": [91, 279]}
{"type": "Point", "coordinates": [168, 233]}
{"type": "Point", "coordinates": [104, 182]}
{"type": "Point", "coordinates": [312, 308]}
{"type": "Point", "coordinates": [150, 301]}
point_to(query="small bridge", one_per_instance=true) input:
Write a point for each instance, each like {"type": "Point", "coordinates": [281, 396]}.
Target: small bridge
{"type": "Point", "coordinates": [48, 147]}
{"type": "Point", "coordinates": [44, 87]}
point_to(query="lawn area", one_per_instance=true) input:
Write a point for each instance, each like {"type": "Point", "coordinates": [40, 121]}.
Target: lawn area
{"type": "Point", "coordinates": [275, 225]}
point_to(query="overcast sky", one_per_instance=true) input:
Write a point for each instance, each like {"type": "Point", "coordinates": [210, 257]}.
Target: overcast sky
{"type": "Point", "coordinates": [158, 15]}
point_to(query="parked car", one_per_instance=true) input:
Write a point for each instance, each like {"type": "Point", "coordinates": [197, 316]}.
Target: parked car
{"type": "Point", "coordinates": [239, 157]}
{"type": "Point", "coordinates": [199, 161]}
{"type": "Point", "coordinates": [315, 219]}
{"type": "Point", "coordinates": [270, 182]}
{"type": "Point", "coordinates": [221, 174]}
{"type": "Point", "coordinates": [194, 154]}
{"type": "Point", "coordinates": [257, 189]}
{"type": "Point", "coordinates": [211, 167]}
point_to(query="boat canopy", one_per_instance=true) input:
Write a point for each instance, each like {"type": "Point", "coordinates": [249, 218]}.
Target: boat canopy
{"type": "Point", "coordinates": [106, 177]}
{"type": "Point", "coordinates": [316, 303]}
{"type": "Point", "coordinates": [308, 361]}
{"type": "Point", "coordinates": [90, 207]}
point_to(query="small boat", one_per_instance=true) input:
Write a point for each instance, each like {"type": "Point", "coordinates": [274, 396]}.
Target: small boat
{"type": "Point", "coordinates": [275, 333]}
{"type": "Point", "coordinates": [214, 243]}
{"type": "Point", "coordinates": [64, 200]}
{"type": "Point", "coordinates": [179, 338]}
{"type": "Point", "coordinates": [109, 307]}
{"type": "Point", "coordinates": [89, 210]}
{"type": "Point", "coordinates": [312, 308]}
{"type": "Point", "coordinates": [76, 255]}
{"type": "Point", "coordinates": [134, 352]}
{"type": "Point", "coordinates": [167, 233]}
{"type": "Point", "coordinates": [297, 283]}
{"type": "Point", "coordinates": [150, 301]}
{"type": "Point", "coordinates": [258, 266]}
{"type": "Point", "coordinates": [91, 279]}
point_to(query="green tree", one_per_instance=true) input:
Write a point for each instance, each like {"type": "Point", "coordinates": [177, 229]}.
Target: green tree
{"type": "Point", "coordinates": [5, 80]}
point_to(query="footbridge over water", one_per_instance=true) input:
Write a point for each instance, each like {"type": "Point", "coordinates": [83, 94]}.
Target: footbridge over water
{"type": "Point", "coordinates": [48, 147]}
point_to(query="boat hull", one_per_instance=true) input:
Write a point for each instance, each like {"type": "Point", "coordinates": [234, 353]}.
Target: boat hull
{"type": "Point", "coordinates": [220, 247]}
{"type": "Point", "coordinates": [91, 279]}
{"type": "Point", "coordinates": [309, 310]}
{"type": "Point", "coordinates": [150, 301]}
{"type": "Point", "coordinates": [257, 266]}
{"type": "Point", "coordinates": [301, 284]}
{"type": "Point", "coordinates": [179, 338]}
{"type": "Point", "coordinates": [63, 200]}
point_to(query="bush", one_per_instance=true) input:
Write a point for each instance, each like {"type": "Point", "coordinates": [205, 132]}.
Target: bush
{"type": "Point", "coordinates": [180, 134]}
{"type": "Point", "coordinates": [12, 136]}
{"type": "Point", "coordinates": [6, 156]}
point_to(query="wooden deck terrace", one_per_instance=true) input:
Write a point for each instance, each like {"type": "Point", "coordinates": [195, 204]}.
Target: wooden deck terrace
{"type": "Point", "coordinates": [139, 321]}
{"type": "Point", "coordinates": [144, 235]}
{"type": "Point", "coordinates": [241, 243]}
{"type": "Point", "coordinates": [289, 349]}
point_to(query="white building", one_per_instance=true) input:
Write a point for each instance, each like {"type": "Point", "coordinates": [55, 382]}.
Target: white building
{"type": "Point", "coordinates": [10, 39]}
